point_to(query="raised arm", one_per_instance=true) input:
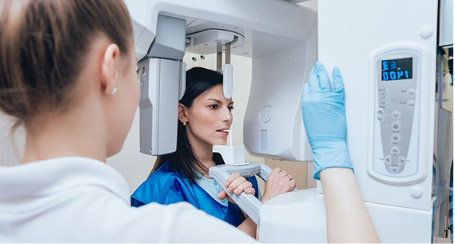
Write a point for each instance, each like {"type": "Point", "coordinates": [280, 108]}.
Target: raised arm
{"type": "Point", "coordinates": [325, 123]}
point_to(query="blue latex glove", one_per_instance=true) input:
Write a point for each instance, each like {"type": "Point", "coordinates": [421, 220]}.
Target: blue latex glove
{"type": "Point", "coordinates": [325, 119]}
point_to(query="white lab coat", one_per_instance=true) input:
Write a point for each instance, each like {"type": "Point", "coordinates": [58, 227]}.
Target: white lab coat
{"type": "Point", "coordinates": [75, 199]}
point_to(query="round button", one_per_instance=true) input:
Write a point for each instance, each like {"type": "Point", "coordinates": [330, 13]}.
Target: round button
{"type": "Point", "coordinates": [411, 92]}
{"type": "Point", "coordinates": [388, 160]}
{"type": "Point", "coordinates": [402, 160]}
{"type": "Point", "coordinates": [394, 169]}
{"type": "Point", "coordinates": [396, 125]}
{"type": "Point", "coordinates": [411, 103]}
{"type": "Point", "coordinates": [426, 31]}
{"type": "Point", "coordinates": [395, 137]}
{"type": "Point", "coordinates": [416, 192]}
{"type": "Point", "coordinates": [396, 114]}
{"type": "Point", "coordinates": [266, 114]}
{"type": "Point", "coordinates": [395, 151]}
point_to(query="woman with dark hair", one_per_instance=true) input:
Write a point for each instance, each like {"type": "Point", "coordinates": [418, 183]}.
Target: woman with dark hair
{"type": "Point", "coordinates": [205, 118]}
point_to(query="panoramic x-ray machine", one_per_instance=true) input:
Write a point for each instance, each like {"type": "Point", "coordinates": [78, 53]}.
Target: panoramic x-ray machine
{"type": "Point", "coordinates": [386, 52]}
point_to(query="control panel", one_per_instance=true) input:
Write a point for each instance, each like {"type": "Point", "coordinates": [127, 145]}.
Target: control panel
{"type": "Point", "coordinates": [396, 109]}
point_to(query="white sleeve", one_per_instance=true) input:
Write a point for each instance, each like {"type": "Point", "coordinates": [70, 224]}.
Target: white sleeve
{"type": "Point", "coordinates": [184, 223]}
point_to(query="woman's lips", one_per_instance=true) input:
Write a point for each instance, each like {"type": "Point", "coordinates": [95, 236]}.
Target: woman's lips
{"type": "Point", "coordinates": [223, 132]}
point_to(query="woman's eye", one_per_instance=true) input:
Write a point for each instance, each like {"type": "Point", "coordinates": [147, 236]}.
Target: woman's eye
{"type": "Point", "coordinates": [213, 106]}
{"type": "Point", "coordinates": [230, 108]}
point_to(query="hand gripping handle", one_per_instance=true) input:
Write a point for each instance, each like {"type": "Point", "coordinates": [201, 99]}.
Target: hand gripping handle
{"type": "Point", "coordinates": [247, 202]}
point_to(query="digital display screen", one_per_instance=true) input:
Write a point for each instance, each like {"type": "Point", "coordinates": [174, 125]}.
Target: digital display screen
{"type": "Point", "coordinates": [396, 69]}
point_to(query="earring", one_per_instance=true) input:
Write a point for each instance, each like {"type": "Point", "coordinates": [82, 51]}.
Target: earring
{"type": "Point", "coordinates": [184, 123]}
{"type": "Point", "coordinates": [113, 91]}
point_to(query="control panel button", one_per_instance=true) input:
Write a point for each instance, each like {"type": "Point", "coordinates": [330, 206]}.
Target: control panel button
{"type": "Point", "coordinates": [394, 169]}
{"type": "Point", "coordinates": [396, 125]}
{"type": "Point", "coordinates": [388, 160]}
{"type": "Point", "coordinates": [411, 103]}
{"type": "Point", "coordinates": [402, 160]}
{"type": "Point", "coordinates": [395, 151]}
{"type": "Point", "coordinates": [396, 114]}
{"type": "Point", "coordinates": [380, 114]}
{"type": "Point", "coordinates": [411, 92]}
{"type": "Point", "coordinates": [395, 137]}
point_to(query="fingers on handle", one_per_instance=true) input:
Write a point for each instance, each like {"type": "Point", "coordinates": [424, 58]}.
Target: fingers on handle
{"type": "Point", "coordinates": [251, 191]}
{"type": "Point", "coordinates": [222, 195]}
{"type": "Point", "coordinates": [276, 170]}
{"type": "Point", "coordinates": [293, 184]}
{"type": "Point", "coordinates": [244, 187]}
{"type": "Point", "coordinates": [236, 183]}
{"type": "Point", "coordinates": [231, 178]}
{"type": "Point", "coordinates": [284, 173]}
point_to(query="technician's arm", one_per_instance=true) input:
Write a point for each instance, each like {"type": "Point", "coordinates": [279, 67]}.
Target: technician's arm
{"type": "Point", "coordinates": [248, 226]}
{"type": "Point", "coordinates": [325, 123]}
{"type": "Point", "coordinates": [347, 216]}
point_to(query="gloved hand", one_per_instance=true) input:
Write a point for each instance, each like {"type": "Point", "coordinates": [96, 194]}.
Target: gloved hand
{"type": "Point", "coordinates": [325, 119]}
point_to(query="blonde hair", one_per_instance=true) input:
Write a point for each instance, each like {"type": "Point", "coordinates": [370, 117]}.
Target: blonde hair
{"type": "Point", "coordinates": [42, 47]}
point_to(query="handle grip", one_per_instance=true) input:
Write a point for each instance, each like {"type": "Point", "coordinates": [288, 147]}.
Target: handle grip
{"type": "Point", "coordinates": [247, 202]}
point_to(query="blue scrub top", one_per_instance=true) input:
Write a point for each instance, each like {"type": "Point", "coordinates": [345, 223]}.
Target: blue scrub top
{"type": "Point", "coordinates": [166, 187]}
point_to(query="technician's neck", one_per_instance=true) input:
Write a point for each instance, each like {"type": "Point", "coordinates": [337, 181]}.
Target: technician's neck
{"type": "Point", "coordinates": [76, 134]}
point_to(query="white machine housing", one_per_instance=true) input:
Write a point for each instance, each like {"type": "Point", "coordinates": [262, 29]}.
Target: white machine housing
{"type": "Point", "coordinates": [282, 39]}
{"type": "Point", "coordinates": [273, 33]}
{"type": "Point", "coordinates": [390, 122]}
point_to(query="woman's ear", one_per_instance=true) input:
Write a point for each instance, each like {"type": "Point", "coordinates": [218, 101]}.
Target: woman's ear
{"type": "Point", "coordinates": [109, 69]}
{"type": "Point", "coordinates": [183, 114]}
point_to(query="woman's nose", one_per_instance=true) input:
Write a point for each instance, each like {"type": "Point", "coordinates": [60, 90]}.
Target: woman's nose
{"type": "Point", "coordinates": [227, 115]}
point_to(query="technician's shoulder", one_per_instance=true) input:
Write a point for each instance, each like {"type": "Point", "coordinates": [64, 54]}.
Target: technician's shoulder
{"type": "Point", "coordinates": [181, 222]}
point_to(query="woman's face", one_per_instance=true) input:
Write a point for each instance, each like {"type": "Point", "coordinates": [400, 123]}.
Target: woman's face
{"type": "Point", "coordinates": [209, 117]}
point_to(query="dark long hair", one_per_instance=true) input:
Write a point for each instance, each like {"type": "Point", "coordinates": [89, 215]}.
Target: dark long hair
{"type": "Point", "coordinates": [184, 161]}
